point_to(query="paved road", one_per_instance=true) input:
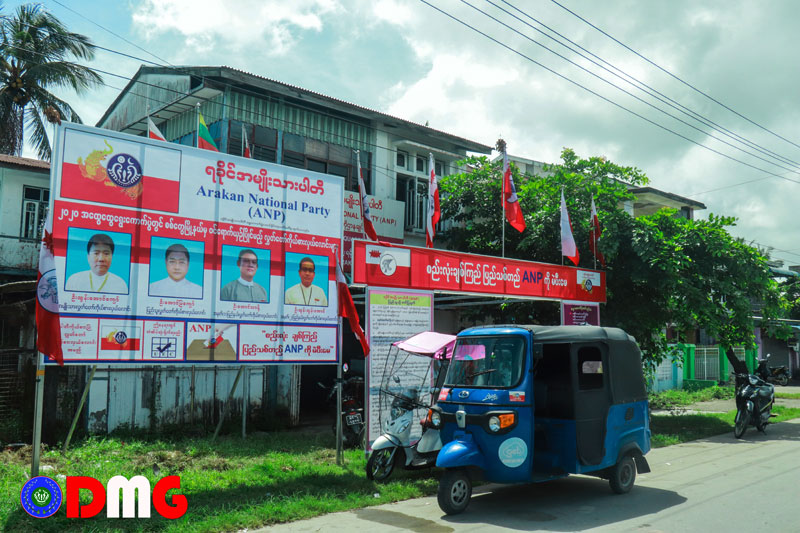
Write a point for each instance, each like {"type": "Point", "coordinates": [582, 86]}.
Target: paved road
{"type": "Point", "coordinates": [710, 485]}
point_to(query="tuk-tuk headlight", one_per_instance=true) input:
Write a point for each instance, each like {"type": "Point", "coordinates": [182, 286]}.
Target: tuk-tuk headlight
{"type": "Point", "coordinates": [436, 419]}
{"type": "Point", "coordinates": [501, 421]}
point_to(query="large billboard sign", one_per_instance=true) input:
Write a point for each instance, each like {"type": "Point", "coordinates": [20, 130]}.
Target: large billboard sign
{"type": "Point", "coordinates": [170, 254]}
{"type": "Point", "coordinates": [446, 271]}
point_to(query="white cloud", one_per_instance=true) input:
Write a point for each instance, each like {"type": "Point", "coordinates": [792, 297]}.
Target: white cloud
{"type": "Point", "coordinates": [235, 24]}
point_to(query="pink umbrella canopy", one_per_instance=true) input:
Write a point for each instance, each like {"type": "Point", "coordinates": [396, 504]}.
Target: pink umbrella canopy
{"type": "Point", "coordinates": [428, 343]}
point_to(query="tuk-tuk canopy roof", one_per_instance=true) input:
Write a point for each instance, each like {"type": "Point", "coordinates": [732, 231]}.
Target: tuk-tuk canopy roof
{"type": "Point", "coordinates": [428, 343]}
{"type": "Point", "coordinates": [559, 333]}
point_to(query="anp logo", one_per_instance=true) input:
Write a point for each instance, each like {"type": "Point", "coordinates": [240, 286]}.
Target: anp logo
{"type": "Point", "coordinates": [41, 497]}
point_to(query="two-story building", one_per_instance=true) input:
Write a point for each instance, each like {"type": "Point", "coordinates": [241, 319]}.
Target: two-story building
{"type": "Point", "coordinates": [24, 196]}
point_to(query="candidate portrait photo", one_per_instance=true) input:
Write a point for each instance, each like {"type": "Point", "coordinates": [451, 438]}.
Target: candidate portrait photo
{"type": "Point", "coordinates": [245, 275]}
{"type": "Point", "coordinates": [98, 261]}
{"type": "Point", "coordinates": [306, 280]}
{"type": "Point", "coordinates": [176, 268]}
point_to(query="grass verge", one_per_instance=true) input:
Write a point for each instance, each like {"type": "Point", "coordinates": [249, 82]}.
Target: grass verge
{"type": "Point", "coordinates": [673, 398]}
{"type": "Point", "coordinates": [230, 485]}
{"type": "Point", "coordinates": [675, 429]}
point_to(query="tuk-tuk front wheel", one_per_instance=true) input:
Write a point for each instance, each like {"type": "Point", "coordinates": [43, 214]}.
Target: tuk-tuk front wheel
{"type": "Point", "coordinates": [623, 474]}
{"type": "Point", "coordinates": [455, 491]}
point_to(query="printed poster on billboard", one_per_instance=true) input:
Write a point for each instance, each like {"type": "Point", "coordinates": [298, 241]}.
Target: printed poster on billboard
{"type": "Point", "coordinates": [393, 315]}
{"type": "Point", "coordinates": [171, 254]}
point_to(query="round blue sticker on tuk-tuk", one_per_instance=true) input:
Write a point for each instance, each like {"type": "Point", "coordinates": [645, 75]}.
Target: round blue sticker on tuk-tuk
{"type": "Point", "coordinates": [513, 452]}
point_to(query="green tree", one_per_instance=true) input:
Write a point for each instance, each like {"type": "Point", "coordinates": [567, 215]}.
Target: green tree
{"type": "Point", "coordinates": [36, 53]}
{"type": "Point", "coordinates": [660, 269]}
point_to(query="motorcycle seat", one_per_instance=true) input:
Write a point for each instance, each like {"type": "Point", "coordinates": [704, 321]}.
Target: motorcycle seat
{"type": "Point", "coordinates": [765, 392]}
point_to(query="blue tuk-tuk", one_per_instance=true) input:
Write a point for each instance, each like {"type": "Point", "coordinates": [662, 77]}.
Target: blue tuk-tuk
{"type": "Point", "coordinates": [523, 404]}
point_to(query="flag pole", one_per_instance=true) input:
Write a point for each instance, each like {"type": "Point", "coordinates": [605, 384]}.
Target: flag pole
{"type": "Point", "coordinates": [197, 124]}
{"type": "Point", "coordinates": [501, 147]}
{"type": "Point", "coordinates": [562, 231]}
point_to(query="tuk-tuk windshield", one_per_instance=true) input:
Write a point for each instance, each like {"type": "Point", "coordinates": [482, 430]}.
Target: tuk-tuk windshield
{"type": "Point", "coordinates": [494, 362]}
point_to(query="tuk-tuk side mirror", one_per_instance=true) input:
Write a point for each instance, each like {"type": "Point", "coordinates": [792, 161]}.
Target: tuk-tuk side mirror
{"type": "Point", "coordinates": [538, 351]}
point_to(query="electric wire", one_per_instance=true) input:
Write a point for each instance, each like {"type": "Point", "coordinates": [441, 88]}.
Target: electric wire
{"type": "Point", "coordinates": [651, 91]}
{"type": "Point", "coordinates": [604, 98]}
{"type": "Point", "coordinates": [118, 36]}
{"type": "Point", "coordinates": [255, 93]}
{"type": "Point", "coordinates": [674, 76]}
{"type": "Point", "coordinates": [628, 92]}
{"type": "Point", "coordinates": [379, 171]}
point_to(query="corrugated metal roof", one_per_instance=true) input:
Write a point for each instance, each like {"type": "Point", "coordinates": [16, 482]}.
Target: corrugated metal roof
{"type": "Point", "coordinates": [24, 162]}
{"type": "Point", "coordinates": [342, 104]}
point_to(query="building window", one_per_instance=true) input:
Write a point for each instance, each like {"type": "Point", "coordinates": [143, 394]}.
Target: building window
{"type": "Point", "coordinates": [439, 168]}
{"type": "Point", "coordinates": [263, 141]}
{"type": "Point", "coordinates": [402, 157]}
{"type": "Point", "coordinates": [420, 164]}
{"type": "Point", "coordinates": [34, 212]}
{"type": "Point", "coordinates": [414, 192]}
{"type": "Point", "coordinates": [326, 158]}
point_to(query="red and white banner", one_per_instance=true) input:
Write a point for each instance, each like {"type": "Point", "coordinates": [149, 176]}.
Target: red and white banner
{"type": "Point", "coordinates": [434, 210]}
{"type": "Point", "coordinates": [568, 247]}
{"type": "Point", "coordinates": [387, 219]}
{"type": "Point", "coordinates": [153, 132]}
{"type": "Point", "coordinates": [98, 168]}
{"type": "Point", "coordinates": [439, 270]}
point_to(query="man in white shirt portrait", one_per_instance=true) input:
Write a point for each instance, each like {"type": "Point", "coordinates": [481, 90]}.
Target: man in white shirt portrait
{"type": "Point", "coordinates": [305, 292]}
{"type": "Point", "coordinates": [100, 252]}
{"type": "Point", "coordinates": [245, 289]}
{"type": "Point", "coordinates": [175, 284]}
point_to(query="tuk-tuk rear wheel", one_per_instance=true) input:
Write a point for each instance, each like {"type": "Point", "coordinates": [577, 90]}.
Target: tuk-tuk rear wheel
{"type": "Point", "coordinates": [623, 474]}
{"type": "Point", "coordinates": [455, 491]}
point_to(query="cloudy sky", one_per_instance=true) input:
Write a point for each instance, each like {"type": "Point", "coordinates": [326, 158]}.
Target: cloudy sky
{"type": "Point", "coordinates": [405, 58]}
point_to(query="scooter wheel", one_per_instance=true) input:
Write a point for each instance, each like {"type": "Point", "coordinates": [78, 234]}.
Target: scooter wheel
{"type": "Point", "coordinates": [455, 491]}
{"type": "Point", "coordinates": [381, 463]}
{"type": "Point", "coordinates": [783, 380]}
{"type": "Point", "coordinates": [740, 423]}
{"type": "Point", "coordinates": [623, 474]}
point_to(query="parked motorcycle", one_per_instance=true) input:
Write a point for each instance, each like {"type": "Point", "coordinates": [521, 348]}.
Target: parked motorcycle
{"type": "Point", "coordinates": [773, 374]}
{"type": "Point", "coordinates": [352, 410]}
{"type": "Point", "coordinates": [395, 445]}
{"type": "Point", "coordinates": [754, 398]}
{"type": "Point", "coordinates": [412, 378]}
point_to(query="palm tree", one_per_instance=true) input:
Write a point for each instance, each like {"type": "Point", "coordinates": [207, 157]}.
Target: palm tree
{"type": "Point", "coordinates": [35, 49]}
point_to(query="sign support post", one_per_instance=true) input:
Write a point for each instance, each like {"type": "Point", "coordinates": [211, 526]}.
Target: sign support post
{"type": "Point", "coordinates": [339, 428]}
{"type": "Point", "coordinates": [78, 410]}
{"type": "Point", "coordinates": [37, 415]}
{"type": "Point", "coordinates": [227, 403]}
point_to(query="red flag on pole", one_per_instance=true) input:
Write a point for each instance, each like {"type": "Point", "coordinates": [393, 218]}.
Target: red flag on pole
{"type": "Point", "coordinates": [153, 132]}
{"type": "Point", "coordinates": [246, 151]}
{"type": "Point", "coordinates": [369, 229]}
{"type": "Point", "coordinates": [48, 323]}
{"type": "Point", "coordinates": [510, 201]}
{"type": "Point", "coordinates": [568, 246]}
{"type": "Point", "coordinates": [596, 236]}
{"type": "Point", "coordinates": [434, 211]}
{"type": "Point", "coordinates": [347, 309]}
